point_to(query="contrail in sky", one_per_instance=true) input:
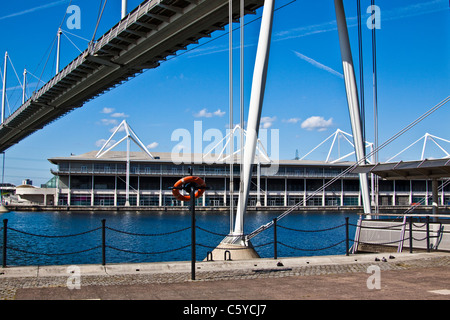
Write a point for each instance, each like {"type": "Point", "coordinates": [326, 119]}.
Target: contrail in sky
{"type": "Point", "coordinates": [394, 14]}
{"type": "Point", "coordinates": [318, 64]}
{"type": "Point", "coordinates": [48, 5]}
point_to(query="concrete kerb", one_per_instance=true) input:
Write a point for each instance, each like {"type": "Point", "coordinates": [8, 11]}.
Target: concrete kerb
{"type": "Point", "coordinates": [184, 266]}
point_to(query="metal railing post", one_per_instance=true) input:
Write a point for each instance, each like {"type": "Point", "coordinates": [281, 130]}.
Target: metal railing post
{"type": "Point", "coordinates": [428, 233]}
{"type": "Point", "coordinates": [410, 235]}
{"type": "Point", "coordinates": [103, 242]}
{"type": "Point", "coordinates": [275, 239]}
{"type": "Point", "coordinates": [5, 241]}
{"type": "Point", "coordinates": [347, 248]}
{"type": "Point", "coordinates": [193, 253]}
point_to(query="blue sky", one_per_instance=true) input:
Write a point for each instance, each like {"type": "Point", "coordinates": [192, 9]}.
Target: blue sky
{"type": "Point", "coordinates": [305, 94]}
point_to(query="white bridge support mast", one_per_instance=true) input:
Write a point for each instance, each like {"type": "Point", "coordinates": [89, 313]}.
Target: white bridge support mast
{"type": "Point", "coordinates": [254, 116]}
{"type": "Point", "coordinates": [4, 87]}
{"type": "Point", "coordinates": [58, 50]}
{"type": "Point", "coordinates": [352, 99]}
{"type": "Point", "coordinates": [124, 9]}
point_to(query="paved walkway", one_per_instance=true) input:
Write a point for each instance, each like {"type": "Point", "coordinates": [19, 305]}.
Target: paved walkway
{"type": "Point", "coordinates": [403, 276]}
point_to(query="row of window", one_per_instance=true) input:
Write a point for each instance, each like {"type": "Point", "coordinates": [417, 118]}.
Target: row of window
{"type": "Point", "coordinates": [200, 170]}
{"type": "Point", "coordinates": [218, 201]}
{"type": "Point", "coordinates": [214, 201]}
{"type": "Point", "coordinates": [219, 184]}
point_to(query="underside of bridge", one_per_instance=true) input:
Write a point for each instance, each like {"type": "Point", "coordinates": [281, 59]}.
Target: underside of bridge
{"type": "Point", "coordinates": [141, 40]}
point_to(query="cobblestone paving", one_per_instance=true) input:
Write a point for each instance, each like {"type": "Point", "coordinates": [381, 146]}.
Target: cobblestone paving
{"type": "Point", "coordinates": [9, 285]}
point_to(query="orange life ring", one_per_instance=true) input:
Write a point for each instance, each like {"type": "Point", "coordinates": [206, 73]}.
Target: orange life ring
{"type": "Point", "coordinates": [191, 179]}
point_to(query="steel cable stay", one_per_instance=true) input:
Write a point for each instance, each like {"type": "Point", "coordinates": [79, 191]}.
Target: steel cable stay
{"type": "Point", "coordinates": [51, 47]}
{"type": "Point", "coordinates": [99, 18]}
{"type": "Point", "coordinates": [8, 97]}
{"type": "Point", "coordinates": [354, 166]}
{"type": "Point", "coordinates": [64, 34]}
{"type": "Point", "coordinates": [423, 200]}
{"type": "Point", "coordinates": [20, 84]}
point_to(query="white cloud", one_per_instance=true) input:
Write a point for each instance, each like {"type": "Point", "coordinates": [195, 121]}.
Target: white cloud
{"type": "Point", "coordinates": [107, 122]}
{"type": "Point", "coordinates": [205, 114]}
{"type": "Point", "coordinates": [317, 123]}
{"type": "Point", "coordinates": [101, 142]}
{"type": "Point", "coordinates": [122, 128]}
{"type": "Point", "coordinates": [266, 122]}
{"type": "Point", "coordinates": [318, 64]}
{"type": "Point", "coordinates": [119, 115]}
{"type": "Point", "coordinates": [153, 145]}
{"type": "Point", "coordinates": [107, 110]}
{"type": "Point", "coordinates": [219, 113]}
{"type": "Point", "coordinates": [291, 120]}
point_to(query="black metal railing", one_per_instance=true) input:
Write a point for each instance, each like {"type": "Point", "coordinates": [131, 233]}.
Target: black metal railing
{"type": "Point", "coordinates": [343, 237]}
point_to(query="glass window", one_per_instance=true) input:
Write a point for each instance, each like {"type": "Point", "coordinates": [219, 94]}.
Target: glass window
{"type": "Point", "coordinates": [350, 201]}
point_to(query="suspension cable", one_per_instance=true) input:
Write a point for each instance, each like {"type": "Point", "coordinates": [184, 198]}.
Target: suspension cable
{"type": "Point", "coordinates": [361, 73]}
{"type": "Point", "coordinates": [99, 17]}
{"type": "Point", "coordinates": [64, 34]}
{"type": "Point", "coordinates": [375, 106]}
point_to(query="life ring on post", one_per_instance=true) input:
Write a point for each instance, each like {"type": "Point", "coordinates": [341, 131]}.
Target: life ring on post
{"type": "Point", "coordinates": [183, 181]}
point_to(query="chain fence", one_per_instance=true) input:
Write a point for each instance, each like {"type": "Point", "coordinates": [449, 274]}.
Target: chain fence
{"type": "Point", "coordinates": [343, 237]}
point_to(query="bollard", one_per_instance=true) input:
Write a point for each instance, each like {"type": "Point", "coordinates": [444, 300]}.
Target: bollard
{"type": "Point", "coordinates": [103, 242]}
{"type": "Point", "coordinates": [209, 256]}
{"type": "Point", "coordinates": [347, 248]}
{"type": "Point", "coordinates": [275, 240]}
{"type": "Point", "coordinates": [5, 241]}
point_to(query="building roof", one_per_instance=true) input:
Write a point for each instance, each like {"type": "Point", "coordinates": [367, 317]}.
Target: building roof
{"type": "Point", "coordinates": [409, 170]}
{"type": "Point", "coordinates": [168, 157]}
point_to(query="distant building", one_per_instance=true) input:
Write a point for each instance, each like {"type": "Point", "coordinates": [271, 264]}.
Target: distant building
{"type": "Point", "coordinates": [86, 180]}
{"type": "Point", "coordinates": [27, 182]}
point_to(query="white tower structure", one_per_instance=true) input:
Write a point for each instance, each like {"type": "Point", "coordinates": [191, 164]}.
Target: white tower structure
{"type": "Point", "coordinates": [427, 137]}
{"type": "Point", "coordinates": [337, 136]}
{"type": "Point", "coordinates": [254, 115]}
{"type": "Point", "coordinates": [352, 100]}
{"type": "Point", "coordinates": [130, 135]}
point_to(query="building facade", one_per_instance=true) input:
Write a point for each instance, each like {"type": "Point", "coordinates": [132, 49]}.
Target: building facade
{"type": "Point", "coordinates": [86, 180]}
